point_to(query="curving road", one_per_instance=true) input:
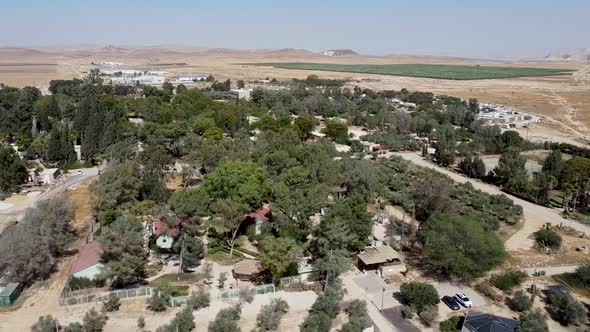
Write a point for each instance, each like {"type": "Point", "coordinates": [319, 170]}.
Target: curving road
{"type": "Point", "coordinates": [535, 216]}
{"type": "Point", "coordinates": [17, 212]}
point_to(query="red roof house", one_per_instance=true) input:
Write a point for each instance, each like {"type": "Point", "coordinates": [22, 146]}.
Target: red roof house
{"type": "Point", "coordinates": [87, 264]}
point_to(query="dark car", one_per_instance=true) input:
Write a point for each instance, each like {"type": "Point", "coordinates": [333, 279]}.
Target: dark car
{"type": "Point", "coordinates": [451, 302]}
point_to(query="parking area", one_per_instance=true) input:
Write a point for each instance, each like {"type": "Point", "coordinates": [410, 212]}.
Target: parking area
{"type": "Point", "coordinates": [445, 288]}
{"type": "Point", "coordinates": [377, 291]}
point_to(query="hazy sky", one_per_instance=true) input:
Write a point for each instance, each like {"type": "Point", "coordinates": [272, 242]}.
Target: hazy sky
{"type": "Point", "coordinates": [486, 28]}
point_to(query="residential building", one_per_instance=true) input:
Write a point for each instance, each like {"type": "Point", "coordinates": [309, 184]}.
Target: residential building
{"type": "Point", "coordinates": [478, 322]}
{"type": "Point", "coordinates": [165, 235]}
{"type": "Point", "coordinates": [87, 264]}
{"type": "Point", "coordinates": [259, 218]}
{"type": "Point", "coordinates": [383, 259]}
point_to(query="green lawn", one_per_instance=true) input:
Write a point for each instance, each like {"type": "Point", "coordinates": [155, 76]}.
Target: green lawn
{"type": "Point", "coordinates": [449, 72]}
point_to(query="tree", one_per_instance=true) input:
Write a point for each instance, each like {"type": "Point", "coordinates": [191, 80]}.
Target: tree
{"type": "Point", "coordinates": [270, 315]}
{"type": "Point", "coordinates": [553, 163]}
{"type": "Point", "coordinates": [582, 273]}
{"type": "Point", "coordinates": [74, 327]}
{"type": "Point", "coordinates": [112, 304]}
{"type": "Point", "coordinates": [521, 301]}
{"type": "Point", "coordinates": [533, 321]}
{"type": "Point", "coordinates": [30, 249]}
{"type": "Point", "coordinates": [450, 325]}
{"type": "Point", "coordinates": [511, 138]}
{"type": "Point", "coordinates": [241, 84]}
{"type": "Point", "coordinates": [304, 126]}
{"type": "Point", "coordinates": [511, 165]}
{"type": "Point", "coordinates": [226, 320]}
{"type": "Point", "coordinates": [13, 171]}
{"type": "Point", "coordinates": [119, 185]}
{"type": "Point", "coordinates": [123, 253]}
{"type": "Point", "coordinates": [244, 182]}
{"type": "Point", "coordinates": [324, 309]}
{"type": "Point", "coordinates": [191, 251]}
{"type": "Point", "coordinates": [566, 308]}
{"type": "Point", "coordinates": [358, 318]}
{"type": "Point", "coordinates": [182, 322]}
{"type": "Point", "coordinates": [419, 295]}
{"type": "Point", "coordinates": [279, 255]}
{"type": "Point", "coordinates": [45, 324]}
{"type": "Point", "coordinates": [460, 247]}
{"type": "Point", "coordinates": [337, 131]}
{"type": "Point", "coordinates": [199, 300]}
{"type": "Point", "coordinates": [232, 213]}
{"type": "Point", "coordinates": [509, 279]}
{"type": "Point", "coordinates": [547, 238]}
{"type": "Point", "coordinates": [473, 167]}
{"type": "Point", "coordinates": [94, 321]}
{"type": "Point", "coordinates": [160, 298]}
{"type": "Point", "coordinates": [428, 315]}
{"type": "Point", "coordinates": [575, 175]}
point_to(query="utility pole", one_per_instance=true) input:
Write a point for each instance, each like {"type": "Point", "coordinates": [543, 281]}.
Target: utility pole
{"type": "Point", "coordinates": [382, 297]}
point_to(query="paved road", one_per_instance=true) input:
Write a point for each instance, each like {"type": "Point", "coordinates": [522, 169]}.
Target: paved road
{"type": "Point", "coordinates": [17, 212]}
{"type": "Point", "coordinates": [535, 216]}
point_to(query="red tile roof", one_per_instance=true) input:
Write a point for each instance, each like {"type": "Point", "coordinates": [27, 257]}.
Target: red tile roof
{"type": "Point", "coordinates": [161, 228]}
{"type": "Point", "coordinates": [88, 256]}
{"type": "Point", "coordinates": [262, 215]}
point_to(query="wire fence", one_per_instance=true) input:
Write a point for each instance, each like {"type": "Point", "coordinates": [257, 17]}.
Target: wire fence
{"type": "Point", "coordinates": [286, 281]}
{"type": "Point", "coordinates": [103, 296]}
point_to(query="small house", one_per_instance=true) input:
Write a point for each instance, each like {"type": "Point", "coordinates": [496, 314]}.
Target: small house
{"type": "Point", "coordinates": [49, 175]}
{"type": "Point", "coordinates": [248, 270]}
{"type": "Point", "coordinates": [165, 235]}
{"type": "Point", "coordinates": [9, 294]}
{"type": "Point", "coordinates": [383, 259]}
{"type": "Point", "coordinates": [478, 322]}
{"type": "Point", "coordinates": [259, 218]}
{"type": "Point", "coordinates": [87, 264]}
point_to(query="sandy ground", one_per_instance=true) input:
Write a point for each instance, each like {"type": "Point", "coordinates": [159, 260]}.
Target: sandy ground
{"type": "Point", "coordinates": [562, 101]}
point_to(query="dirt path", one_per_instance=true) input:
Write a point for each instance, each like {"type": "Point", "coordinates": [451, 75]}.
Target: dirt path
{"type": "Point", "coordinates": [535, 216]}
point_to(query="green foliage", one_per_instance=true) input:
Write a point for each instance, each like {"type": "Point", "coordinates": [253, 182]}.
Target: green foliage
{"type": "Point", "coordinates": [358, 318]}
{"type": "Point", "coordinates": [45, 324]}
{"type": "Point", "coordinates": [419, 295]}
{"type": "Point", "coordinates": [199, 300]}
{"type": "Point", "coordinates": [428, 315]}
{"type": "Point", "coordinates": [30, 249]}
{"type": "Point", "coordinates": [279, 255]}
{"type": "Point", "coordinates": [77, 283]}
{"type": "Point", "coordinates": [582, 274]}
{"type": "Point", "coordinates": [14, 171]}
{"type": "Point", "coordinates": [324, 309]}
{"type": "Point", "coordinates": [547, 238]}
{"type": "Point", "coordinates": [460, 247]}
{"type": "Point", "coordinates": [242, 181]}
{"type": "Point", "coordinates": [182, 322]}
{"type": "Point", "coordinates": [566, 308]}
{"type": "Point", "coordinates": [408, 312]}
{"type": "Point", "coordinates": [94, 321]}
{"type": "Point", "coordinates": [160, 299]}
{"type": "Point", "coordinates": [119, 185]}
{"type": "Point", "coordinates": [112, 304]}
{"type": "Point", "coordinates": [553, 163]}
{"type": "Point", "coordinates": [473, 167]}
{"type": "Point", "coordinates": [74, 327]}
{"type": "Point", "coordinates": [511, 166]}
{"type": "Point", "coordinates": [226, 320]}
{"type": "Point", "coordinates": [521, 301]}
{"type": "Point", "coordinates": [509, 279]}
{"type": "Point", "coordinates": [337, 131]}
{"type": "Point", "coordinates": [450, 325]}
{"type": "Point", "coordinates": [270, 315]}
{"type": "Point", "coordinates": [533, 321]}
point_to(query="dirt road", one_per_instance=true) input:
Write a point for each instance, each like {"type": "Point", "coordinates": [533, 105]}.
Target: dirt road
{"type": "Point", "coordinates": [535, 216]}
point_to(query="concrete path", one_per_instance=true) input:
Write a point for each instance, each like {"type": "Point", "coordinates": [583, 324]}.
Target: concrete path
{"type": "Point", "coordinates": [535, 216]}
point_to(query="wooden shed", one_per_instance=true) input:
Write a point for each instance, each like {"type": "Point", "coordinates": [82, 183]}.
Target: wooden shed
{"type": "Point", "coordinates": [9, 294]}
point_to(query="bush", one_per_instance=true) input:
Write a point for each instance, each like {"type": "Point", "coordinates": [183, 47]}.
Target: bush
{"type": "Point", "coordinates": [45, 324]}
{"type": "Point", "coordinates": [199, 300]}
{"type": "Point", "coordinates": [546, 238]}
{"type": "Point", "coordinates": [246, 295]}
{"type": "Point", "coordinates": [521, 301]}
{"type": "Point", "coordinates": [450, 325]}
{"type": "Point", "coordinates": [566, 308]}
{"type": "Point", "coordinates": [141, 322]}
{"type": "Point", "coordinates": [509, 279]}
{"type": "Point", "coordinates": [408, 312]}
{"type": "Point", "coordinates": [182, 322]}
{"type": "Point", "coordinates": [112, 304]}
{"type": "Point", "coordinates": [159, 301]}
{"type": "Point", "coordinates": [226, 320]}
{"type": "Point", "coordinates": [270, 315]}
{"type": "Point", "coordinates": [582, 273]}
{"type": "Point", "coordinates": [419, 295]}
{"type": "Point", "coordinates": [77, 283]}
{"type": "Point", "coordinates": [94, 321]}
{"type": "Point", "coordinates": [533, 321]}
{"type": "Point", "coordinates": [428, 315]}
{"type": "Point", "coordinates": [357, 317]}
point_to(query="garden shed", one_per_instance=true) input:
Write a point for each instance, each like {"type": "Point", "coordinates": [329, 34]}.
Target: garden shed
{"type": "Point", "coordinates": [9, 294]}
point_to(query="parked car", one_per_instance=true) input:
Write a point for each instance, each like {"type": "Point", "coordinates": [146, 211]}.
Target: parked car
{"type": "Point", "coordinates": [79, 172]}
{"type": "Point", "coordinates": [451, 302]}
{"type": "Point", "coordinates": [464, 300]}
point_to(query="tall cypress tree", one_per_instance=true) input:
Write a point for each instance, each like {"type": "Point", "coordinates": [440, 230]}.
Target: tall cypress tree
{"type": "Point", "coordinates": [67, 146]}
{"type": "Point", "coordinates": [54, 146]}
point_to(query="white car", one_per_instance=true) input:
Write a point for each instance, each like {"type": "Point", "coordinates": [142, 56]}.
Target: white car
{"type": "Point", "coordinates": [464, 300]}
{"type": "Point", "coordinates": [79, 172]}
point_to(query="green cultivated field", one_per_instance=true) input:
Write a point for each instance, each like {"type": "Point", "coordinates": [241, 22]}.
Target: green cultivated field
{"type": "Point", "coordinates": [448, 72]}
